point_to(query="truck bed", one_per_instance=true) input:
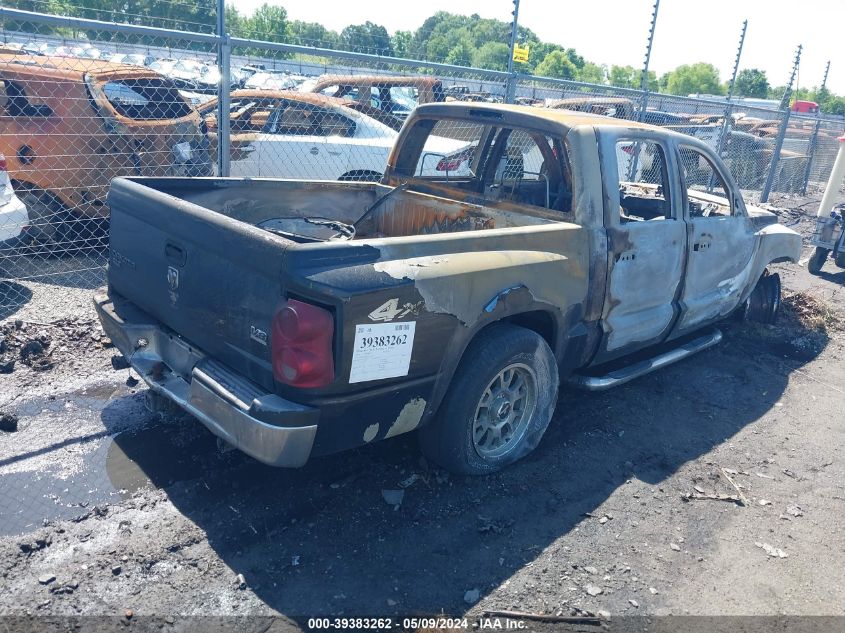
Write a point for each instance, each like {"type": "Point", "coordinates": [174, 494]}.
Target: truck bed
{"type": "Point", "coordinates": [191, 253]}
{"type": "Point", "coordinates": [403, 213]}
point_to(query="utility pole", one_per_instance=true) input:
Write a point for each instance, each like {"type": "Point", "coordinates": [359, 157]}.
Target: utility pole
{"type": "Point", "coordinates": [223, 54]}
{"type": "Point", "coordinates": [510, 91]}
{"type": "Point", "coordinates": [784, 122]}
{"type": "Point", "coordinates": [646, 61]}
{"type": "Point", "coordinates": [811, 151]}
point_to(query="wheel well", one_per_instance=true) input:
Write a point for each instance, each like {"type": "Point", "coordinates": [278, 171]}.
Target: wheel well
{"type": "Point", "coordinates": [53, 198]}
{"type": "Point", "coordinates": [364, 175]}
{"type": "Point", "coordinates": [537, 321]}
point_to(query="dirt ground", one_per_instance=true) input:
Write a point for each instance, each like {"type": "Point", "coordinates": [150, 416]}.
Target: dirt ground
{"type": "Point", "coordinates": [713, 487]}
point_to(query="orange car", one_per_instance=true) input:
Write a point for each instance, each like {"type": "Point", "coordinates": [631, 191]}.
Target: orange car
{"type": "Point", "coordinates": [391, 97]}
{"type": "Point", "coordinates": [68, 126]}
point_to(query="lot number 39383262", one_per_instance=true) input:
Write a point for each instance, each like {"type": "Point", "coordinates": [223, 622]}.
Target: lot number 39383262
{"type": "Point", "coordinates": [382, 350]}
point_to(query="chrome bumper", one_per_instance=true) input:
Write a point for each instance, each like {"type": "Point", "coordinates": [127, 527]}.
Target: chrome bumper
{"type": "Point", "coordinates": [263, 425]}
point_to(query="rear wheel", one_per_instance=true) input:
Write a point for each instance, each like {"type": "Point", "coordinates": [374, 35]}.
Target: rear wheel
{"type": "Point", "coordinates": [55, 230]}
{"type": "Point", "coordinates": [499, 404]}
{"type": "Point", "coordinates": [817, 259]}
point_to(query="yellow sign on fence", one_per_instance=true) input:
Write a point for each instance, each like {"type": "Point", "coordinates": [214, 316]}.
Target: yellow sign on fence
{"type": "Point", "coordinates": [520, 53]}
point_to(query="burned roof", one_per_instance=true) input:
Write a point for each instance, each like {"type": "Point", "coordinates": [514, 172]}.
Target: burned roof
{"type": "Point", "coordinates": [524, 116]}
{"type": "Point", "coordinates": [372, 80]}
{"type": "Point", "coordinates": [69, 67]}
{"type": "Point", "coordinates": [290, 95]}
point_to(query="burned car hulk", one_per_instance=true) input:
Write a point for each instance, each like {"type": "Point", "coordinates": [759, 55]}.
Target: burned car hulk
{"type": "Point", "coordinates": [296, 318]}
{"type": "Point", "coordinates": [68, 126]}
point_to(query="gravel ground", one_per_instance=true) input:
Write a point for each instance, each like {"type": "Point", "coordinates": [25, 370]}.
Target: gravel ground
{"type": "Point", "coordinates": [713, 487]}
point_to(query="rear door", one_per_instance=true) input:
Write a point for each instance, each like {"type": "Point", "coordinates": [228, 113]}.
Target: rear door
{"type": "Point", "coordinates": [647, 240]}
{"type": "Point", "coordinates": [721, 241]}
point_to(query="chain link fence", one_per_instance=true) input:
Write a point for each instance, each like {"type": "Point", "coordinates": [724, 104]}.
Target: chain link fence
{"type": "Point", "coordinates": [82, 102]}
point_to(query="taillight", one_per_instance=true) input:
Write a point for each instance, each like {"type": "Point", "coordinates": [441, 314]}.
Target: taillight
{"type": "Point", "coordinates": [3, 165]}
{"type": "Point", "coordinates": [302, 345]}
{"type": "Point", "coordinates": [453, 162]}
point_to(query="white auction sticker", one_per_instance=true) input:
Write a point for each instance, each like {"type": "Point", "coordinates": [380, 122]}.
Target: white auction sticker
{"type": "Point", "coordinates": [382, 350]}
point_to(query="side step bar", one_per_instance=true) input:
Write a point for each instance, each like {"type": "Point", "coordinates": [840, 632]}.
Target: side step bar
{"type": "Point", "coordinates": [643, 367]}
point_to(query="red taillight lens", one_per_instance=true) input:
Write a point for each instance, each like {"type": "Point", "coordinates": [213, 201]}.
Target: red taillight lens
{"type": "Point", "coordinates": [301, 341]}
{"type": "Point", "coordinates": [3, 165]}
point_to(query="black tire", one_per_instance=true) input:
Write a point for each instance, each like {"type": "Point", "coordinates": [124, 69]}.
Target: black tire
{"type": "Point", "coordinates": [817, 259]}
{"type": "Point", "coordinates": [57, 231]}
{"type": "Point", "coordinates": [763, 306]}
{"type": "Point", "coordinates": [45, 216]}
{"type": "Point", "coordinates": [449, 440]}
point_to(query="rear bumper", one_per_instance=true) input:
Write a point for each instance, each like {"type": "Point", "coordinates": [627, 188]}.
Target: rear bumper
{"type": "Point", "coordinates": [261, 424]}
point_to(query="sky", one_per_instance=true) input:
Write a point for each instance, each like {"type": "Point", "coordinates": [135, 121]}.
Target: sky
{"type": "Point", "coordinates": [615, 31]}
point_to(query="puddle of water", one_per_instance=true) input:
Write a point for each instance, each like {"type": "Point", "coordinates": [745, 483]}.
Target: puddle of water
{"type": "Point", "coordinates": [118, 450]}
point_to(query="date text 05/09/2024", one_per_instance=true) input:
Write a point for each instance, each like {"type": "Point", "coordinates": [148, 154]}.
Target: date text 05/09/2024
{"type": "Point", "coordinates": [416, 623]}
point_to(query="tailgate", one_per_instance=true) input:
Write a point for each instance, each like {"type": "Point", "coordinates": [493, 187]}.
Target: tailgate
{"type": "Point", "coordinates": [212, 279]}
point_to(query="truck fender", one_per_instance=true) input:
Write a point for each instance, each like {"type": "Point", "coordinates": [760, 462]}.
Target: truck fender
{"type": "Point", "coordinates": [775, 243]}
{"type": "Point", "coordinates": [515, 304]}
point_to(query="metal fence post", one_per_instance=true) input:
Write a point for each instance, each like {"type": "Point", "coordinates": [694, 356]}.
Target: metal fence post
{"type": "Point", "coordinates": [770, 177]}
{"type": "Point", "coordinates": [811, 150]}
{"type": "Point", "coordinates": [646, 61]}
{"type": "Point", "coordinates": [224, 49]}
{"type": "Point", "coordinates": [510, 85]}
{"type": "Point", "coordinates": [784, 124]}
{"type": "Point", "coordinates": [727, 126]}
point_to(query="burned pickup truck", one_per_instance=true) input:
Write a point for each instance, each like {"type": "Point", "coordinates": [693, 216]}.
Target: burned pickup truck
{"type": "Point", "coordinates": [297, 318]}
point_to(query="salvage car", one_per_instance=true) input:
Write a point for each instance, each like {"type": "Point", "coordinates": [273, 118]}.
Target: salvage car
{"type": "Point", "coordinates": [392, 96]}
{"type": "Point", "coordinates": [301, 318]}
{"type": "Point", "coordinates": [68, 126]}
{"type": "Point", "coordinates": [132, 59]}
{"type": "Point", "coordinates": [270, 80]}
{"type": "Point", "coordinates": [283, 134]}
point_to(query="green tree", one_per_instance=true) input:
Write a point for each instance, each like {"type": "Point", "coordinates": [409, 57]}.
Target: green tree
{"type": "Point", "coordinates": [235, 21]}
{"type": "Point", "coordinates": [624, 76]}
{"type": "Point", "coordinates": [492, 55]}
{"type": "Point", "coordinates": [751, 82]}
{"type": "Point", "coordinates": [776, 92]}
{"type": "Point", "coordinates": [311, 34]}
{"type": "Point", "coordinates": [557, 64]}
{"type": "Point", "coordinates": [269, 22]}
{"type": "Point", "coordinates": [630, 77]}
{"type": "Point", "coordinates": [366, 38]}
{"type": "Point", "coordinates": [401, 43]}
{"type": "Point", "coordinates": [700, 78]}
{"type": "Point", "coordinates": [460, 54]}
{"type": "Point", "coordinates": [833, 105]}
{"type": "Point", "coordinates": [592, 73]}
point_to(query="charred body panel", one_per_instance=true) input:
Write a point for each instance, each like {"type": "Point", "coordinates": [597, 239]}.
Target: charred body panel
{"type": "Point", "coordinates": [55, 108]}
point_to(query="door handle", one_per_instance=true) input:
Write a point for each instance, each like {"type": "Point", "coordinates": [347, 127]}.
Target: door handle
{"type": "Point", "coordinates": [314, 151]}
{"type": "Point", "coordinates": [175, 254]}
